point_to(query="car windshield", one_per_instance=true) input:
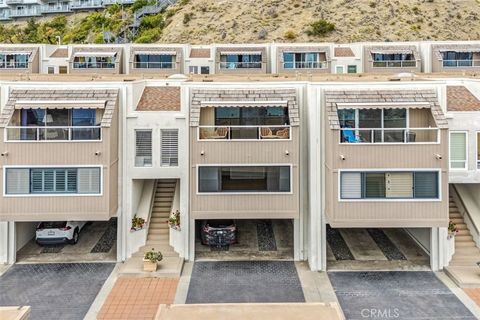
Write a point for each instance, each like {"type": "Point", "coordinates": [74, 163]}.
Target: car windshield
{"type": "Point", "coordinates": [220, 223]}
{"type": "Point", "coordinates": [52, 225]}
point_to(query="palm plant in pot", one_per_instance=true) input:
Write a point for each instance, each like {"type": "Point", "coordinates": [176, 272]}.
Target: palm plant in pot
{"type": "Point", "coordinates": [151, 259]}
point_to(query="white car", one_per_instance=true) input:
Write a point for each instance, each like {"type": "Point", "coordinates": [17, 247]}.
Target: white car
{"type": "Point", "coordinates": [55, 232]}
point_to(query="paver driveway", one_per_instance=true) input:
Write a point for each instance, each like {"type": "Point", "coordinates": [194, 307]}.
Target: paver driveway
{"type": "Point", "coordinates": [244, 281]}
{"type": "Point", "coordinates": [54, 291]}
{"type": "Point", "coordinates": [396, 295]}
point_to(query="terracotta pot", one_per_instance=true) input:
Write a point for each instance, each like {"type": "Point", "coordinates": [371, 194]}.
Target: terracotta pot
{"type": "Point", "coordinates": [149, 265]}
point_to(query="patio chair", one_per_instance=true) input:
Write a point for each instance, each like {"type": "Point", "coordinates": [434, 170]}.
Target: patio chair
{"type": "Point", "coordinates": [283, 133]}
{"type": "Point", "coordinates": [266, 133]}
{"type": "Point", "coordinates": [350, 136]}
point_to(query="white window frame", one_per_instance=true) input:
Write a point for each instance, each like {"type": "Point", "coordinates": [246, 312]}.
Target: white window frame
{"type": "Point", "coordinates": [466, 151]}
{"type": "Point", "coordinates": [135, 147]}
{"type": "Point", "coordinates": [5, 194]}
{"type": "Point", "coordinates": [161, 147]}
{"type": "Point", "coordinates": [197, 182]}
{"type": "Point", "coordinates": [385, 170]}
{"type": "Point", "coordinates": [339, 66]}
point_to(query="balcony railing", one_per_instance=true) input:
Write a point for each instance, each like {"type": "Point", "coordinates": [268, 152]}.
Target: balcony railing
{"type": "Point", "coordinates": [395, 64]}
{"type": "Point", "coordinates": [27, 12]}
{"type": "Point", "coordinates": [87, 4]}
{"type": "Point", "coordinates": [390, 135]}
{"type": "Point", "coordinates": [240, 65]}
{"type": "Point", "coordinates": [13, 65]}
{"type": "Point", "coordinates": [110, 2]}
{"type": "Point", "coordinates": [11, 2]}
{"type": "Point", "coordinates": [460, 63]}
{"type": "Point", "coordinates": [14, 133]}
{"type": "Point", "coordinates": [94, 65]}
{"type": "Point", "coordinates": [244, 132]}
{"type": "Point", "coordinates": [4, 14]}
{"type": "Point", "coordinates": [306, 65]}
{"type": "Point", "coordinates": [154, 65]}
{"type": "Point", "coordinates": [56, 8]}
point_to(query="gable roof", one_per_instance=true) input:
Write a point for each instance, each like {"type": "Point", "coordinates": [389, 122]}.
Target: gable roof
{"type": "Point", "coordinates": [160, 99]}
{"type": "Point", "coordinates": [343, 52]}
{"type": "Point", "coordinates": [199, 53]}
{"type": "Point", "coordinates": [60, 53]}
{"type": "Point", "coordinates": [459, 98]}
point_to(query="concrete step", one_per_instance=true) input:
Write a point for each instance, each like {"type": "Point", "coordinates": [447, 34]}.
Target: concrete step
{"type": "Point", "coordinates": [464, 244]}
{"type": "Point", "coordinates": [164, 215]}
{"type": "Point", "coordinates": [169, 267]}
{"type": "Point", "coordinates": [158, 225]}
{"type": "Point", "coordinates": [457, 221]}
{"type": "Point", "coordinates": [463, 232]}
{"type": "Point", "coordinates": [462, 238]}
{"type": "Point", "coordinates": [157, 237]}
{"type": "Point", "coordinates": [157, 231]}
{"type": "Point", "coordinates": [467, 251]}
{"type": "Point", "coordinates": [455, 215]}
{"type": "Point", "coordinates": [462, 226]}
{"type": "Point", "coordinates": [158, 220]}
{"type": "Point", "coordinates": [453, 209]}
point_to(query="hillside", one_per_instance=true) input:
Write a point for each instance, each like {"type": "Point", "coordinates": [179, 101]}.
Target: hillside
{"type": "Point", "coordinates": [355, 20]}
{"type": "Point", "coordinates": [233, 21]}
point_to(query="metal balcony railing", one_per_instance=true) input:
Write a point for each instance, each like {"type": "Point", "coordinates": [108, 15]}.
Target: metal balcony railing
{"type": "Point", "coordinates": [306, 65]}
{"type": "Point", "coordinates": [94, 65]}
{"type": "Point", "coordinates": [395, 64]}
{"type": "Point", "coordinates": [57, 8]}
{"type": "Point", "coordinates": [26, 12]}
{"type": "Point", "coordinates": [87, 133]}
{"type": "Point", "coordinates": [4, 14]}
{"type": "Point", "coordinates": [244, 132]}
{"type": "Point", "coordinates": [460, 63]}
{"type": "Point", "coordinates": [390, 135]}
{"type": "Point", "coordinates": [75, 5]}
{"type": "Point", "coordinates": [13, 65]}
{"type": "Point", "coordinates": [240, 65]}
{"type": "Point", "coordinates": [154, 65]}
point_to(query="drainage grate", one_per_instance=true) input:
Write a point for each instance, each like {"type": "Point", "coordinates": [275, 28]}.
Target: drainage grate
{"type": "Point", "coordinates": [52, 248]}
{"type": "Point", "coordinates": [338, 245]}
{"type": "Point", "coordinates": [107, 240]}
{"type": "Point", "coordinates": [266, 236]}
{"type": "Point", "coordinates": [389, 249]}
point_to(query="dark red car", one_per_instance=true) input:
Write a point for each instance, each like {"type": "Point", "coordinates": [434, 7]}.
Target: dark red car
{"type": "Point", "coordinates": [218, 233]}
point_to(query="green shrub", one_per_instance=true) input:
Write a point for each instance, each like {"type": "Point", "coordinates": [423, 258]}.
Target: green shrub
{"type": "Point", "coordinates": [320, 28]}
{"type": "Point", "coordinates": [155, 21]}
{"type": "Point", "coordinates": [148, 36]}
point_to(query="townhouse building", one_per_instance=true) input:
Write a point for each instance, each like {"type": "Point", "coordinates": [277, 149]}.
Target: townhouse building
{"type": "Point", "coordinates": [264, 136]}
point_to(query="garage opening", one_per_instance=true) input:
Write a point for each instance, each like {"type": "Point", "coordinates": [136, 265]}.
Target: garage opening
{"type": "Point", "coordinates": [371, 249]}
{"type": "Point", "coordinates": [66, 241]}
{"type": "Point", "coordinates": [244, 239]}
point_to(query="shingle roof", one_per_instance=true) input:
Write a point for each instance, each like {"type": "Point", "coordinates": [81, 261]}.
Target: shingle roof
{"type": "Point", "coordinates": [159, 99]}
{"type": "Point", "coordinates": [438, 48]}
{"type": "Point", "coordinates": [108, 95]}
{"type": "Point", "coordinates": [343, 52]}
{"type": "Point", "coordinates": [200, 53]}
{"type": "Point", "coordinates": [459, 98]}
{"type": "Point", "coordinates": [393, 49]}
{"type": "Point", "coordinates": [60, 53]}
{"type": "Point", "coordinates": [334, 97]}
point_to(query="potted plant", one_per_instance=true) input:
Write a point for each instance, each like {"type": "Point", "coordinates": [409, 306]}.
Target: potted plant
{"type": "Point", "coordinates": [452, 229]}
{"type": "Point", "coordinates": [174, 220]}
{"type": "Point", "coordinates": [150, 260]}
{"type": "Point", "coordinates": [137, 223]}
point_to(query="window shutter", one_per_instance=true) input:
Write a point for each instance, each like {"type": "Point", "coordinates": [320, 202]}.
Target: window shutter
{"type": "Point", "coordinates": [426, 185]}
{"type": "Point", "coordinates": [374, 185]}
{"type": "Point", "coordinates": [458, 150]}
{"type": "Point", "coordinates": [89, 180]}
{"type": "Point", "coordinates": [143, 148]}
{"type": "Point", "coordinates": [169, 147]}
{"type": "Point", "coordinates": [399, 184]}
{"type": "Point", "coordinates": [18, 181]}
{"type": "Point", "coordinates": [37, 180]}
{"type": "Point", "coordinates": [351, 185]}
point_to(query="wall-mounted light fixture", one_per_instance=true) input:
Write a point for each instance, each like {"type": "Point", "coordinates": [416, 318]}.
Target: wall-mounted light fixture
{"type": "Point", "coordinates": [97, 153]}
{"type": "Point", "coordinates": [202, 153]}
{"type": "Point", "coordinates": [438, 156]}
{"type": "Point", "coordinates": [287, 152]}
{"type": "Point", "coordinates": [4, 154]}
{"type": "Point", "coordinates": [342, 157]}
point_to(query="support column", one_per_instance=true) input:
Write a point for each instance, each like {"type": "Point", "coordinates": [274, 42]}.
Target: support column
{"type": "Point", "coordinates": [3, 242]}
{"type": "Point", "coordinates": [12, 243]}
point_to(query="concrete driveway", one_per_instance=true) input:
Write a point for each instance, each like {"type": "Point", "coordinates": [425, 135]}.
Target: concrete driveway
{"type": "Point", "coordinates": [396, 295]}
{"type": "Point", "coordinates": [54, 291]}
{"type": "Point", "coordinates": [244, 281]}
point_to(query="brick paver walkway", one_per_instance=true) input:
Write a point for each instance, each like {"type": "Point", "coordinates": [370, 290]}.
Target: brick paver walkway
{"type": "Point", "coordinates": [138, 298]}
{"type": "Point", "coordinates": [474, 294]}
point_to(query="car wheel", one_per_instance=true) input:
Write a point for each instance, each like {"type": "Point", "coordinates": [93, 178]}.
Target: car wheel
{"type": "Point", "coordinates": [75, 237]}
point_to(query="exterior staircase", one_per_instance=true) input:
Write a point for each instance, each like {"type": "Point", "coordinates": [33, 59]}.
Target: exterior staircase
{"type": "Point", "coordinates": [466, 251]}
{"type": "Point", "coordinates": [463, 267]}
{"type": "Point", "coordinates": [158, 235]}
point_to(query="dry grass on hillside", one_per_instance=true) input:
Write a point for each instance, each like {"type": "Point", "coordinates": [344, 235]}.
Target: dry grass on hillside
{"type": "Point", "coordinates": [222, 21]}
